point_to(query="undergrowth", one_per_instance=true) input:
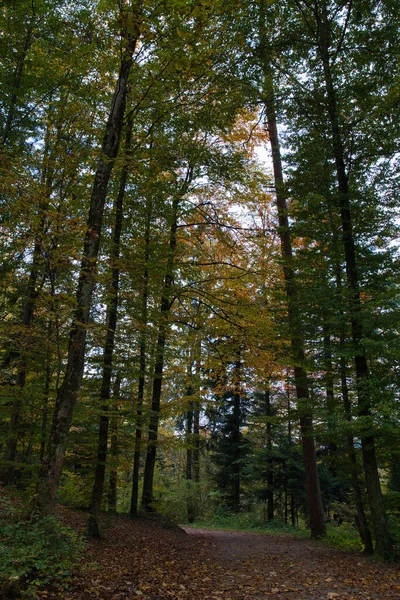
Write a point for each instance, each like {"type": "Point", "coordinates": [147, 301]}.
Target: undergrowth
{"type": "Point", "coordinates": [343, 537]}
{"type": "Point", "coordinates": [247, 522]}
{"type": "Point", "coordinates": [35, 554]}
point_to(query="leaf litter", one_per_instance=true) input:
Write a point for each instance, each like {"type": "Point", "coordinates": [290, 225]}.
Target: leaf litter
{"type": "Point", "coordinates": [151, 560]}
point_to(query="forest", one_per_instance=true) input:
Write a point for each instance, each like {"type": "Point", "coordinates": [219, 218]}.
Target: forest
{"type": "Point", "coordinates": [199, 307]}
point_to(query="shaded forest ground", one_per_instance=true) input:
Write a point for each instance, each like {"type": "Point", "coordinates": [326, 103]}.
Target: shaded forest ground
{"type": "Point", "coordinates": [154, 561]}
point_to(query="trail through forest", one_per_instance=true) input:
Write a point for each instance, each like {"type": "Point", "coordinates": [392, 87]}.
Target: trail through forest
{"type": "Point", "coordinates": [153, 561]}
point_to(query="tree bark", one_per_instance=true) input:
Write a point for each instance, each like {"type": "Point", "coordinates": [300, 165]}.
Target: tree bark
{"type": "Point", "coordinates": [111, 326]}
{"type": "Point", "coordinates": [196, 441]}
{"type": "Point", "coordinates": [317, 521]}
{"type": "Point", "coordinates": [68, 391]}
{"type": "Point", "coordinates": [361, 519]}
{"type": "Point", "coordinates": [189, 437]}
{"type": "Point", "coordinates": [330, 398]}
{"type": "Point", "coordinates": [113, 482]}
{"type": "Point", "coordinates": [270, 472]}
{"type": "Point", "coordinates": [236, 436]}
{"type": "Point", "coordinates": [384, 543]}
{"type": "Point", "coordinates": [142, 366]}
{"type": "Point", "coordinates": [191, 511]}
{"type": "Point", "coordinates": [196, 415]}
{"type": "Point", "coordinates": [165, 307]}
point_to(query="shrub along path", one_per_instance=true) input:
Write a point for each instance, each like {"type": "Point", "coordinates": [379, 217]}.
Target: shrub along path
{"type": "Point", "coordinates": [147, 559]}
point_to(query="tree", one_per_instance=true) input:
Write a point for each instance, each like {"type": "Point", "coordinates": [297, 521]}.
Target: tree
{"type": "Point", "coordinates": [317, 521]}
{"type": "Point", "coordinates": [335, 34]}
{"type": "Point", "coordinates": [68, 391]}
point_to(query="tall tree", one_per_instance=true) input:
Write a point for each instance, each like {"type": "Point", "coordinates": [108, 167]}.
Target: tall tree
{"type": "Point", "coordinates": [317, 521]}
{"type": "Point", "coordinates": [67, 395]}
{"type": "Point", "coordinates": [111, 325]}
{"type": "Point", "coordinates": [337, 102]}
{"type": "Point", "coordinates": [165, 308]}
{"type": "Point", "coordinates": [384, 543]}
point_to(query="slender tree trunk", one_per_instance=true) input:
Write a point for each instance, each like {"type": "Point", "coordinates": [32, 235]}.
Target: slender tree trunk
{"type": "Point", "coordinates": [317, 521]}
{"type": "Point", "coordinates": [384, 543]}
{"type": "Point", "coordinates": [270, 472]}
{"type": "Point", "coordinates": [286, 497]}
{"type": "Point", "coordinates": [196, 416]}
{"type": "Point", "coordinates": [166, 303]}
{"type": "Point", "coordinates": [196, 441]}
{"type": "Point", "coordinates": [189, 454]}
{"type": "Point", "coordinates": [236, 436]}
{"type": "Point", "coordinates": [142, 366]}
{"type": "Point", "coordinates": [68, 391]}
{"type": "Point", "coordinates": [330, 398]}
{"type": "Point", "coordinates": [165, 308]}
{"type": "Point", "coordinates": [46, 393]}
{"type": "Point", "coordinates": [361, 519]}
{"type": "Point", "coordinates": [111, 326]}
{"type": "Point", "coordinates": [292, 509]}
{"type": "Point", "coordinates": [113, 482]}
{"type": "Point", "coordinates": [195, 493]}
{"type": "Point", "coordinates": [189, 438]}
{"type": "Point", "coordinates": [147, 496]}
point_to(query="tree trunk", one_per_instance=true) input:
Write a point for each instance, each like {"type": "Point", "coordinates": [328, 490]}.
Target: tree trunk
{"type": "Point", "coordinates": [361, 519]}
{"type": "Point", "coordinates": [189, 438]}
{"type": "Point", "coordinates": [191, 510]}
{"type": "Point", "coordinates": [317, 521]}
{"type": "Point", "coordinates": [330, 398]}
{"type": "Point", "coordinates": [113, 482]}
{"type": "Point", "coordinates": [384, 543]}
{"type": "Point", "coordinates": [142, 366]}
{"type": "Point", "coordinates": [166, 303]}
{"type": "Point", "coordinates": [68, 392]}
{"type": "Point", "coordinates": [236, 437]}
{"type": "Point", "coordinates": [292, 509]}
{"type": "Point", "coordinates": [111, 326]}
{"type": "Point", "coordinates": [46, 393]}
{"type": "Point", "coordinates": [270, 472]}
{"type": "Point", "coordinates": [196, 415]}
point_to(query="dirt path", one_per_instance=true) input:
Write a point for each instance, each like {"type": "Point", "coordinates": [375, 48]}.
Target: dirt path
{"type": "Point", "coordinates": [258, 566]}
{"type": "Point", "coordinates": [138, 559]}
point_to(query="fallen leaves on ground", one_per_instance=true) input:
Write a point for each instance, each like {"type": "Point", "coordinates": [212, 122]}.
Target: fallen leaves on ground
{"type": "Point", "coordinates": [146, 560]}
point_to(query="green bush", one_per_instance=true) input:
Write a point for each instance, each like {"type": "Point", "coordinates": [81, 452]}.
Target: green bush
{"type": "Point", "coordinates": [35, 554]}
{"type": "Point", "coordinates": [75, 490]}
{"type": "Point", "coordinates": [172, 503]}
{"type": "Point", "coordinates": [344, 537]}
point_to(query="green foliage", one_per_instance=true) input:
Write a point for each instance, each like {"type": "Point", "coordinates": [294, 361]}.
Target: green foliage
{"type": "Point", "coordinates": [343, 537]}
{"type": "Point", "coordinates": [172, 503]}
{"type": "Point", "coordinates": [75, 491]}
{"type": "Point", "coordinates": [252, 520]}
{"type": "Point", "coordinates": [35, 554]}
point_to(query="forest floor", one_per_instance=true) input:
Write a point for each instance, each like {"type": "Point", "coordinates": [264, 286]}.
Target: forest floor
{"type": "Point", "coordinates": [151, 560]}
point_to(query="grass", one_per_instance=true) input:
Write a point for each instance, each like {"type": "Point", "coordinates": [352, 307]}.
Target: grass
{"type": "Point", "coordinates": [248, 522]}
